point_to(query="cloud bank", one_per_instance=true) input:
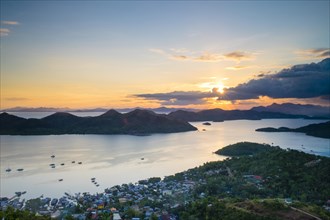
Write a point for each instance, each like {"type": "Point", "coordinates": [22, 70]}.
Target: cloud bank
{"type": "Point", "coordinates": [300, 81]}
{"type": "Point", "coordinates": [180, 97]}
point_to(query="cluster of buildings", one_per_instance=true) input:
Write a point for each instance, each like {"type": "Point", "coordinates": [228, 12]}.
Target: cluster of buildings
{"type": "Point", "coordinates": [147, 199]}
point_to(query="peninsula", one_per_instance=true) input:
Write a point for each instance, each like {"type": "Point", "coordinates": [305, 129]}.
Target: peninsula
{"type": "Point", "coordinates": [321, 130]}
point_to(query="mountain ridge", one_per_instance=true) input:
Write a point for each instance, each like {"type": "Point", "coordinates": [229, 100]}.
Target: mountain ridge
{"type": "Point", "coordinates": [138, 122]}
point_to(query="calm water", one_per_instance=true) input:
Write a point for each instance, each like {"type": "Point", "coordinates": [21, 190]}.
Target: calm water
{"type": "Point", "coordinates": [117, 159]}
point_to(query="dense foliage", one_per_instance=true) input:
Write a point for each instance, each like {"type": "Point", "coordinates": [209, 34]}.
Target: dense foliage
{"type": "Point", "coordinates": [243, 148]}
{"type": "Point", "coordinates": [14, 214]}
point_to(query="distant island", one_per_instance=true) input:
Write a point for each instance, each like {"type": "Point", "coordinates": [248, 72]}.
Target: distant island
{"type": "Point", "coordinates": [321, 130]}
{"type": "Point", "coordinates": [219, 115]}
{"type": "Point", "coordinates": [290, 108]}
{"type": "Point", "coordinates": [137, 122]}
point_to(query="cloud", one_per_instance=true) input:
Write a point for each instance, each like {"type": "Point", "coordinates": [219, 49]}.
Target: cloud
{"type": "Point", "coordinates": [16, 99]}
{"type": "Point", "coordinates": [238, 67]}
{"type": "Point", "coordinates": [180, 97]}
{"type": "Point", "coordinates": [300, 81]}
{"type": "Point", "coordinates": [238, 56]}
{"type": "Point", "coordinates": [186, 55]}
{"type": "Point", "coordinates": [314, 53]}
{"type": "Point", "coordinates": [10, 22]}
{"type": "Point", "coordinates": [4, 32]}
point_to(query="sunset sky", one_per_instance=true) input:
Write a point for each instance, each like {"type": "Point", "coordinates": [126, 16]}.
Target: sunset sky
{"type": "Point", "coordinates": [207, 54]}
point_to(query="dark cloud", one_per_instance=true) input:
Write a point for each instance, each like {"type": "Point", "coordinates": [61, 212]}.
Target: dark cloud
{"type": "Point", "coordinates": [300, 81]}
{"type": "Point", "coordinates": [180, 97]}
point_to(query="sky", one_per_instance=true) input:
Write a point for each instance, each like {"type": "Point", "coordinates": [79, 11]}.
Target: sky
{"type": "Point", "coordinates": [192, 54]}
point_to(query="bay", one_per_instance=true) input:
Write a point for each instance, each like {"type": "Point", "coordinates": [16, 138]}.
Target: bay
{"type": "Point", "coordinates": [117, 159]}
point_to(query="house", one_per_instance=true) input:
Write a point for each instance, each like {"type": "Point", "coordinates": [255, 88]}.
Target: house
{"type": "Point", "coordinates": [116, 216]}
{"type": "Point", "coordinates": [167, 192]}
{"type": "Point", "coordinates": [288, 201]}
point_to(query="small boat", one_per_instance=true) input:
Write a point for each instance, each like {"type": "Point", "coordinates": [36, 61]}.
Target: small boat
{"type": "Point", "coordinates": [79, 162]}
{"type": "Point", "coordinates": [53, 156]}
{"type": "Point", "coordinates": [60, 180]}
{"type": "Point", "coordinates": [62, 164]}
{"type": "Point", "coordinates": [52, 164]}
{"type": "Point", "coordinates": [20, 169]}
{"type": "Point", "coordinates": [97, 185]}
{"type": "Point", "coordinates": [8, 170]}
{"type": "Point", "coordinates": [142, 158]}
{"type": "Point", "coordinates": [73, 161]}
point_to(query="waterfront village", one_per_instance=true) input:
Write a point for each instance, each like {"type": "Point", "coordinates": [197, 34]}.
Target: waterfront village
{"type": "Point", "coordinates": [147, 199]}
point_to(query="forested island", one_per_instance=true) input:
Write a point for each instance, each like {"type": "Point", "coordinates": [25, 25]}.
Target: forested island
{"type": "Point", "coordinates": [321, 130]}
{"type": "Point", "coordinates": [137, 122]}
{"type": "Point", "coordinates": [258, 181]}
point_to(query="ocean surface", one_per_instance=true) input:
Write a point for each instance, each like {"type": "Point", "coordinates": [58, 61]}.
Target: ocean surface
{"type": "Point", "coordinates": [117, 159]}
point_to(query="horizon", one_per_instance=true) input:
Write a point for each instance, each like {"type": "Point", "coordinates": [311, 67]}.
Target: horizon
{"type": "Point", "coordinates": [67, 109]}
{"type": "Point", "coordinates": [86, 55]}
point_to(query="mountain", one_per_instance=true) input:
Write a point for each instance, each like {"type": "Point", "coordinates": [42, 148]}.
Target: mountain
{"type": "Point", "coordinates": [137, 122]}
{"type": "Point", "coordinates": [290, 108]}
{"type": "Point", "coordinates": [317, 130]}
{"type": "Point", "coordinates": [222, 115]}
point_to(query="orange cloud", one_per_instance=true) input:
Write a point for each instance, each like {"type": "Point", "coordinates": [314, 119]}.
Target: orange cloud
{"type": "Point", "coordinates": [10, 22]}
{"type": "Point", "coordinates": [4, 32]}
{"type": "Point", "coordinates": [238, 56]}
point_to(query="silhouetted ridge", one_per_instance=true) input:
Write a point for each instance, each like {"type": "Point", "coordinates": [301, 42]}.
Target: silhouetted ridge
{"type": "Point", "coordinates": [110, 113]}
{"type": "Point", "coordinates": [317, 130]}
{"type": "Point", "coordinates": [221, 115]}
{"type": "Point", "coordinates": [112, 122]}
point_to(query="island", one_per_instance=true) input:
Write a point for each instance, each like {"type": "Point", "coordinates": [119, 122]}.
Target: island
{"type": "Point", "coordinates": [220, 115]}
{"type": "Point", "coordinates": [321, 130]}
{"type": "Point", "coordinates": [243, 149]}
{"type": "Point", "coordinates": [137, 122]}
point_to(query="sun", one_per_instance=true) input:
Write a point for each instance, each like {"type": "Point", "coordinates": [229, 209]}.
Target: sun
{"type": "Point", "coordinates": [213, 86]}
{"type": "Point", "coordinates": [220, 87]}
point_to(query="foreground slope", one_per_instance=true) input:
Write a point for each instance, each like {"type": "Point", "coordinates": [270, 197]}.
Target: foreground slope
{"type": "Point", "coordinates": [112, 122]}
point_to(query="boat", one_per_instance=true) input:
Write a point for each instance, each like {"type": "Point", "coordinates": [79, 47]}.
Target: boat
{"type": "Point", "coordinates": [60, 180]}
{"type": "Point", "coordinates": [52, 164]}
{"type": "Point", "coordinates": [53, 156]}
{"type": "Point", "coordinates": [8, 170]}
{"type": "Point", "coordinates": [97, 185]}
{"type": "Point", "coordinates": [73, 161]}
{"type": "Point", "coordinates": [62, 164]}
{"type": "Point", "coordinates": [142, 158]}
{"type": "Point", "coordinates": [79, 162]}
{"type": "Point", "coordinates": [93, 178]}
{"type": "Point", "coordinates": [20, 169]}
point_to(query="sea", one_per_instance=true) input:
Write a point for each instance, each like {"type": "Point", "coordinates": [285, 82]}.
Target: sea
{"type": "Point", "coordinates": [117, 159]}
